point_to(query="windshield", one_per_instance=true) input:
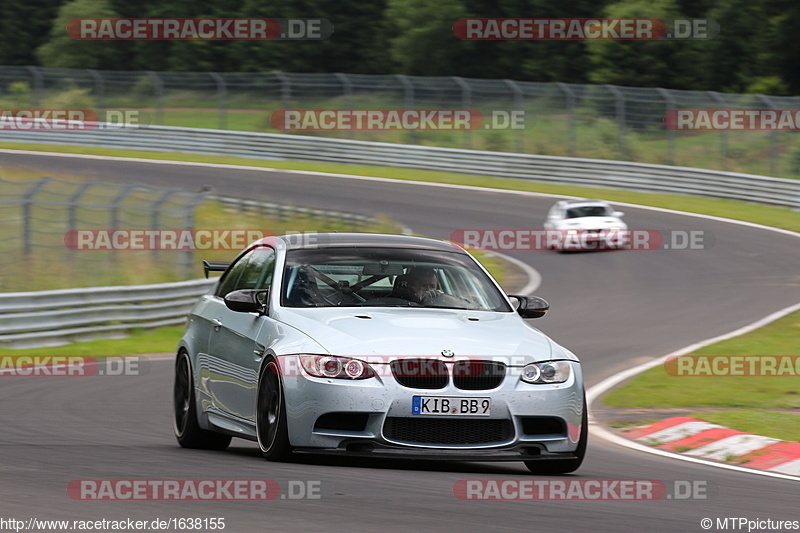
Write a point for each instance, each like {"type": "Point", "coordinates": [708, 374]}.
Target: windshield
{"type": "Point", "coordinates": [387, 277]}
{"type": "Point", "coordinates": [589, 211]}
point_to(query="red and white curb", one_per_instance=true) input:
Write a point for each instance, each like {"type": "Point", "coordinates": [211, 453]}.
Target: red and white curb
{"type": "Point", "coordinates": [709, 441]}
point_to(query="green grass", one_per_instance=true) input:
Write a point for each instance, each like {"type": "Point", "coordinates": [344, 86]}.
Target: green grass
{"type": "Point", "coordinates": [747, 399]}
{"type": "Point", "coordinates": [657, 389]}
{"type": "Point", "coordinates": [771, 216]}
{"type": "Point", "coordinates": [778, 425]}
{"type": "Point", "coordinates": [622, 424]}
{"type": "Point", "coordinates": [160, 340]}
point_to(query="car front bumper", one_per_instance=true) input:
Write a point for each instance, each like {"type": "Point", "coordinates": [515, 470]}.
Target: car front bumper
{"type": "Point", "coordinates": [512, 432]}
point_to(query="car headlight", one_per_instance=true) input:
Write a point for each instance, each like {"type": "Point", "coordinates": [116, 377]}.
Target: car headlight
{"type": "Point", "coordinates": [547, 372]}
{"type": "Point", "coordinates": [328, 366]}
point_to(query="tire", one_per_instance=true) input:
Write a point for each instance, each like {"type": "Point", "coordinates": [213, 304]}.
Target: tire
{"type": "Point", "coordinates": [271, 426]}
{"type": "Point", "coordinates": [184, 420]}
{"type": "Point", "coordinates": [565, 466]}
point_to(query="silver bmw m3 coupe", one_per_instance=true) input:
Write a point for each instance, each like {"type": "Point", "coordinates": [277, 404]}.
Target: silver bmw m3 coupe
{"type": "Point", "coordinates": [379, 346]}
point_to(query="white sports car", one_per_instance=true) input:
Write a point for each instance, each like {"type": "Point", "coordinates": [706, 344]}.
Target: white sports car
{"type": "Point", "coordinates": [586, 225]}
{"type": "Point", "coordinates": [375, 345]}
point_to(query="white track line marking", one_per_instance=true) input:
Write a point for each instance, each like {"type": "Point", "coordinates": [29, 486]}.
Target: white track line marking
{"type": "Point", "coordinates": [733, 446]}
{"type": "Point", "coordinates": [681, 431]}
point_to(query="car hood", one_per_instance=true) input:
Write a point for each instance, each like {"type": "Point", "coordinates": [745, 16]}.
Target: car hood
{"type": "Point", "coordinates": [591, 223]}
{"type": "Point", "coordinates": [420, 332]}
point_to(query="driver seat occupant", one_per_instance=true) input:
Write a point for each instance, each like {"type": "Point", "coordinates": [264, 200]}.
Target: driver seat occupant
{"type": "Point", "coordinates": [415, 284]}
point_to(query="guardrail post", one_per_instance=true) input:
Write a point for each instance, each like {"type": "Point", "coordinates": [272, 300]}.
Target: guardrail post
{"type": "Point", "coordinates": [773, 138]}
{"type": "Point", "coordinates": [38, 85]}
{"type": "Point", "coordinates": [466, 99]}
{"type": "Point", "coordinates": [286, 89]}
{"type": "Point", "coordinates": [158, 92]}
{"type": "Point", "coordinates": [99, 90]}
{"type": "Point", "coordinates": [27, 221]}
{"type": "Point", "coordinates": [155, 214]}
{"type": "Point", "coordinates": [72, 218]}
{"type": "Point", "coordinates": [115, 204]}
{"type": "Point", "coordinates": [187, 258]}
{"type": "Point", "coordinates": [570, 100]}
{"type": "Point", "coordinates": [670, 104]}
{"type": "Point", "coordinates": [347, 86]}
{"type": "Point", "coordinates": [620, 111]}
{"type": "Point", "coordinates": [408, 97]}
{"type": "Point", "coordinates": [723, 140]}
{"type": "Point", "coordinates": [222, 95]}
{"type": "Point", "coordinates": [519, 102]}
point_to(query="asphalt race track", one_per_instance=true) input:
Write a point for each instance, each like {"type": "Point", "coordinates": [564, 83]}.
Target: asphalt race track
{"type": "Point", "coordinates": [613, 309]}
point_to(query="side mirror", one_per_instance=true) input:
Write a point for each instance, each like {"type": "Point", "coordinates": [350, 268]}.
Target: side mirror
{"type": "Point", "coordinates": [618, 214]}
{"type": "Point", "coordinates": [247, 301]}
{"type": "Point", "coordinates": [531, 306]}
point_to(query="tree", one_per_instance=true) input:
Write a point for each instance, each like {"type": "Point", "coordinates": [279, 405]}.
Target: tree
{"type": "Point", "coordinates": [24, 27]}
{"type": "Point", "coordinates": [785, 49]}
{"type": "Point", "coordinates": [423, 42]}
{"type": "Point", "coordinates": [732, 58]}
{"type": "Point", "coordinates": [640, 63]}
{"type": "Point", "coordinates": [359, 43]}
{"type": "Point", "coordinates": [61, 50]}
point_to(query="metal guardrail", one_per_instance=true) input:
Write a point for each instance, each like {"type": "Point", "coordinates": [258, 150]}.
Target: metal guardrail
{"type": "Point", "coordinates": [53, 318]}
{"type": "Point", "coordinates": [550, 169]}
{"type": "Point", "coordinates": [287, 211]}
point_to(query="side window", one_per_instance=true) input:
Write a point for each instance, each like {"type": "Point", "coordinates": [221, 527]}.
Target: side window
{"type": "Point", "coordinates": [228, 282]}
{"type": "Point", "coordinates": [253, 271]}
{"type": "Point", "coordinates": [258, 272]}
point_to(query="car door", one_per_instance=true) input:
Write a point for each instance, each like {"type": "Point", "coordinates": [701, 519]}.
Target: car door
{"type": "Point", "coordinates": [232, 351]}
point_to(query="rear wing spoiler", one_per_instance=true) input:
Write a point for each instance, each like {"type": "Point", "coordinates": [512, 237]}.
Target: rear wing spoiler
{"type": "Point", "coordinates": [215, 266]}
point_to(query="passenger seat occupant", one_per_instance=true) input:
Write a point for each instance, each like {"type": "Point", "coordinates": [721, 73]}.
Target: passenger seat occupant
{"type": "Point", "coordinates": [415, 284]}
{"type": "Point", "coordinates": [304, 292]}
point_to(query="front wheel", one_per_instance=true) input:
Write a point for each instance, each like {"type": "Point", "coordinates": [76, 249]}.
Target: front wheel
{"type": "Point", "coordinates": [565, 466]}
{"type": "Point", "coordinates": [184, 422]}
{"type": "Point", "coordinates": [271, 427]}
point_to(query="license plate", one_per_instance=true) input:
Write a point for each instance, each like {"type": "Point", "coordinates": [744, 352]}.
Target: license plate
{"type": "Point", "coordinates": [450, 406]}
